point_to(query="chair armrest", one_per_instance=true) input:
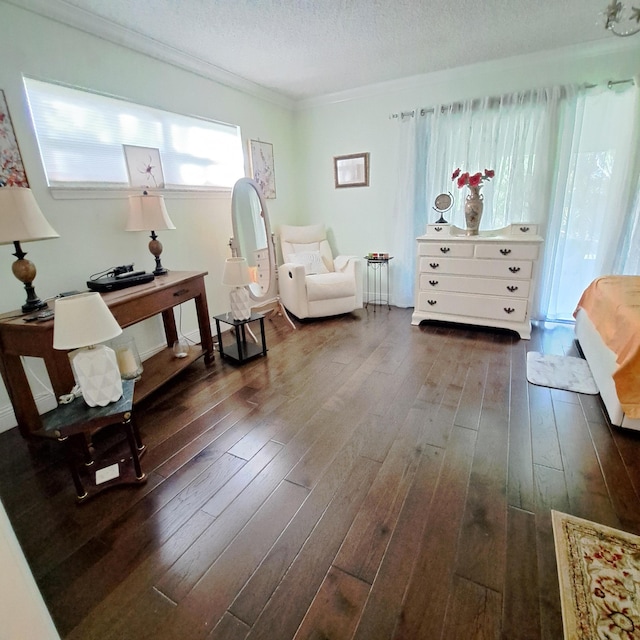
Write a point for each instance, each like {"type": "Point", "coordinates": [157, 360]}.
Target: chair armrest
{"type": "Point", "coordinates": [342, 263]}
{"type": "Point", "coordinates": [355, 266]}
{"type": "Point", "coordinates": [293, 288]}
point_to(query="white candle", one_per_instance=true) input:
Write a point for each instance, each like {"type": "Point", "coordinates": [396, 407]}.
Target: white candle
{"type": "Point", "coordinates": [126, 362]}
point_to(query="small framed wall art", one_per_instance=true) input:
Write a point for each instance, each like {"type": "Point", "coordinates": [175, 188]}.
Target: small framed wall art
{"type": "Point", "coordinates": [12, 173]}
{"type": "Point", "coordinates": [144, 166]}
{"type": "Point", "coordinates": [262, 167]}
{"type": "Point", "coordinates": [351, 170]}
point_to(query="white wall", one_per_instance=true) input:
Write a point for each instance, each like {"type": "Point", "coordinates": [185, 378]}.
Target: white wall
{"type": "Point", "coordinates": [362, 219]}
{"type": "Point", "coordinates": [22, 609]}
{"type": "Point", "coordinates": [92, 236]}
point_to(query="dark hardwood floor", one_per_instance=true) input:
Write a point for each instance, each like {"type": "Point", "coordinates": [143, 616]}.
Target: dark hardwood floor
{"type": "Point", "coordinates": [367, 479]}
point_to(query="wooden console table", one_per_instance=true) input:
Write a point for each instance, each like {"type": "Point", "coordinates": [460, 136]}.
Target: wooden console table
{"type": "Point", "coordinates": [129, 306]}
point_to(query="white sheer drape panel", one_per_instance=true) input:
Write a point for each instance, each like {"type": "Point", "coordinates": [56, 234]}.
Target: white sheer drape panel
{"type": "Point", "coordinates": [513, 135]}
{"type": "Point", "coordinates": [628, 253]}
{"type": "Point", "coordinates": [409, 211]}
{"type": "Point", "coordinates": [591, 212]}
{"type": "Point", "coordinates": [566, 158]}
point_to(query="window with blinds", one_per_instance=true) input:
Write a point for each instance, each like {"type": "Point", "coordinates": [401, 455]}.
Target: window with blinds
{"type": "Point", "coordinates": [81, 136]}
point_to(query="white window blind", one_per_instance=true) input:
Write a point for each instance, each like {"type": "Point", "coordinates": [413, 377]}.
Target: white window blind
{"type": "Point", "coordinates": [81, 137]}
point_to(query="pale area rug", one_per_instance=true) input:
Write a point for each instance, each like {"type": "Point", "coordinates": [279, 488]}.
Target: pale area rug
{"type": "Point", "coordinates": [599, 575]}
{"type": "Point", "coordinates": [560, 372]}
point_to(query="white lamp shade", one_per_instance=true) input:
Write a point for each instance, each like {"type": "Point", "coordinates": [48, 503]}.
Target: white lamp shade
{"type": "Point", "coordinates": [82, 320]}
{"type": "Point", "coordinates": [20, 217]}
{"type": "Point", "coordinates": [148, 213]}
{"type": "Point", "coordinates": [236, 272]}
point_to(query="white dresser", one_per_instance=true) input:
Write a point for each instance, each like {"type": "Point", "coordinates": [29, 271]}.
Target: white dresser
{"type": "Point", "coordinates": [261, 259]}
{"type": "Point", "coordinates": [488, 279]}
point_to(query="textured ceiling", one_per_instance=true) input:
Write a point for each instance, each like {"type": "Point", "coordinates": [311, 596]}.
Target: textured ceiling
{"type": "Point", "coordinates": [307, 48]}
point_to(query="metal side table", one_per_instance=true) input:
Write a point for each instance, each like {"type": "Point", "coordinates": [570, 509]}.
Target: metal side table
{"type": "Point", "coordinates": [375, 269]}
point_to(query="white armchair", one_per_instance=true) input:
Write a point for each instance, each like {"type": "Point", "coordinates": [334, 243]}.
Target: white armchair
{"type": "Point", "coordinates": [313, 283]}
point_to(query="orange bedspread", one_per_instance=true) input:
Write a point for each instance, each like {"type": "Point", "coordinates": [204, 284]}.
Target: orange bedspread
{"type": "Point", "coordinates": [613, 305]}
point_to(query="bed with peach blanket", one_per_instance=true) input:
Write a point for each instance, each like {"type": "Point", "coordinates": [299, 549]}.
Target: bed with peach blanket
{"type": "Point", "coordinates": [608, 331]}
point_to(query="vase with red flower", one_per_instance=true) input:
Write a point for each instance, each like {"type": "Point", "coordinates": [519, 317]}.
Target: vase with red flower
{"type": "Point", "coordinates": [473, 209]}
{"type": "Point", "coordinates": [474, 202]}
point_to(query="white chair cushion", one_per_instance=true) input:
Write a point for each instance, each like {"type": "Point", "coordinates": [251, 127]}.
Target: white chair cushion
{"type": "Point", "coordinates": [311, 260]}
{"type": "Point", "coordinates": [325, 286]}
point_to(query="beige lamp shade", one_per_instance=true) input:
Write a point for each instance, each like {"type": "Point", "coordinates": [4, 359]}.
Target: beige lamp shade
{"type": "Point", "coordinates": [20, 217]}
{"type": "Point", "coordinates": [148, 213]}
{"type": "Point", "coordinates": [83, 320]}
{"type": "Point", "coordinates": [236, 272]}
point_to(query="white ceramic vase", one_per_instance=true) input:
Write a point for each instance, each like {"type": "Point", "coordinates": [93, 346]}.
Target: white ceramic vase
{"type": "Point", "coordinates": [473, 208]}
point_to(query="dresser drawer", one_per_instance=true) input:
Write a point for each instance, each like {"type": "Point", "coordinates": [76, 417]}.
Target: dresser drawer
{"type": "Point", "coordinates": [509, 269]}
{"type": "Point", "coordinates": [451, 250]}
{"type": "Point", "coordinates": [438, 229]}
{"type": "Point", "coordinates": [507, 251]}
{"type": "Point", "coordinates": [481, 286]}
{"type": "Point", "coordinates": [490, 308]}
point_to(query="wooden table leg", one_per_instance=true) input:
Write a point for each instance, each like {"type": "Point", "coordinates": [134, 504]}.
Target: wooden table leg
{"type": "Point", "coordinates": [81, 492]}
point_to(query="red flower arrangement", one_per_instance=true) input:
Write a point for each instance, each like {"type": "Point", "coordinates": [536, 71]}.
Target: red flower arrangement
{"type": "Point", "coordinates": [474, 180]}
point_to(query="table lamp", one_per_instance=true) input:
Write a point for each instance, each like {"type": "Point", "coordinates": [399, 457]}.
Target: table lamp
{"type": "Point", "coordinates": [236, 274]}
{"type": "Point", "coordinates": [80, 323]}
{"type": "Point", "coordinates": [148, 213]}
{"type": "Point", "coordinates": [22, 221]}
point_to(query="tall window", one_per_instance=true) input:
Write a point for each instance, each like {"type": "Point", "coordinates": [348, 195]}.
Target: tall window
{"type": "Point", "coordinates": [591, 213]}
{"type": "Point", "coordinates": [565, 158]}
{"type": "Point", "coordinates": [81, 137]}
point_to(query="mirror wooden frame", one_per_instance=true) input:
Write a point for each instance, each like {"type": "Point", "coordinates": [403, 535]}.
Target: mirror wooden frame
{"type": "Point", "coordinates": [351, 170]}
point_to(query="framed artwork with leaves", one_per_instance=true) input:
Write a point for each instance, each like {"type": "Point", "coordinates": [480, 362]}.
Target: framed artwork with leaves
{"type": "Point", "coordinates": [262, 167]}
{"type": "Point", "coordinates": [12, 173]}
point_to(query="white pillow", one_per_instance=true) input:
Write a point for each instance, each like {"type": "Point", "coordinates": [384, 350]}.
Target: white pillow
{"type": "Point", "coordinates": [312, 261]}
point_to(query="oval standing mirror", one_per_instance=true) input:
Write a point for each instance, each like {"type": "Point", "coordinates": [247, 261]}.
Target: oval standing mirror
{"type": "Point", "coordinates": [252, 239]}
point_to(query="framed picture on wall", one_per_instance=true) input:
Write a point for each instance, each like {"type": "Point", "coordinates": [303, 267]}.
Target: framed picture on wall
{"type": "Point", "coordinates": [262, 167]}
{"type": "Point", "coordinates": [12, 173]}
{"type": "Point", "coordinates": [144, 166]}
{"type": "Point", "coordinates": [351, 170]}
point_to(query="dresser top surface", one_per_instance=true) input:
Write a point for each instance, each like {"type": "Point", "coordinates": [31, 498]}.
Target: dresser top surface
{"type": "Point", "coordinates": [521, 232]}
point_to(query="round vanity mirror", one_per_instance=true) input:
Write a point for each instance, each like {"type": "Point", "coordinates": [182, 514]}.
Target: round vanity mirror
{"type": "Point", "coordinates": [443, 203]}
{"type": "Point", "coordinates": [252, 239]}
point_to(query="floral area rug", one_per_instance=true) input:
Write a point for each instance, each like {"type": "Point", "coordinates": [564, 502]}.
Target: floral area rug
{"type": "Point", "coordinates": [560, 372]}
{"type": "Point", "coordinates": [599, 574]}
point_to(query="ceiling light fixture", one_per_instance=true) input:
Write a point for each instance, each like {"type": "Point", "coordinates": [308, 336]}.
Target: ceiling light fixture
{"type": "Point", "coordinates": [622, 20]}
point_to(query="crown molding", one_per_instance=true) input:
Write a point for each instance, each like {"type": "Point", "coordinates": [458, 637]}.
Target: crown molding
{"type": "Point", "coordinates": [583, 52]}
{"type": "Point", "coordinates": [69, 15]}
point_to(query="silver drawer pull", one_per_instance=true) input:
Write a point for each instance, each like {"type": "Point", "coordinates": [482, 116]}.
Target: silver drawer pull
{"type": "Point", "coordinates": [445, 249]}
{"type": "Point", "coordinates": [514, 269]}
{"type": "Point", "coordinates": [433, 283]}
{"type": "Point", "coordinates": [505, 252]}
{"type": "Point", "coordinates": [432, 302]}
{"type": "Point", "coordinates": [509, 309]}
{"type": "Point", "coordinates": [524, 229]}
{"type": "Point", "coordinates": [438, 229]}
{"type": "Point", "coordinates": [434, 265]}
{"type": "Point", "coordinates": [512, 288]}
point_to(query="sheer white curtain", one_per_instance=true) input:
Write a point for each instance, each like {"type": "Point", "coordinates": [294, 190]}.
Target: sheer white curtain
{"type": "Point", "coordinates": [592, 227]}
{"type": "Point", "coordinates": [409, 207]}
{"type": "Point", "coordinates": [628, 253]}
{"type": "Point", "coordinates": [566, 158]}
{"type": "Point", "coordinates": [512, 134]}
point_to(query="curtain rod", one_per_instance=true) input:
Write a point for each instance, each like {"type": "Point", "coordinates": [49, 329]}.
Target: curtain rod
{"type": "Point", "coordinates": [410, 114]}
